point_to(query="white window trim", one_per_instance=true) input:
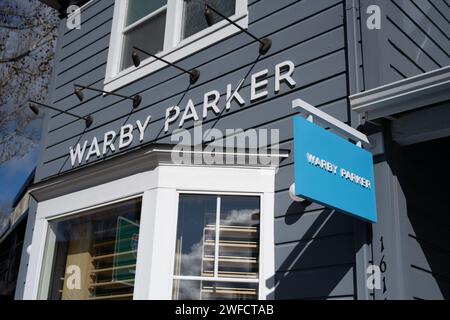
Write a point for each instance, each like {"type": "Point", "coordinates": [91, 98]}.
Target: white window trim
{"type": "Point", "coordinates": [174, 49]}
{"type": "Point", "coordinates": [159, 189]}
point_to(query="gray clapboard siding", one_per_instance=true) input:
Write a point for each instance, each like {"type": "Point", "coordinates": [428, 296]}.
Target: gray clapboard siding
{"type": "Point", "coordinates": [402, 68]}
{"type": "Point", "coordinates": [284, 125]}
{"type": "Point", "coordinates": [320, 283]}
{"type": "Point", "coordinates": [285, 174]}
{"type": "Point", "coordinates": [422, 39]}
{"type": "Point", "coordinates": [224, 48]}
{"type": "Point", "coordinates": [206, 62]}
{"type": "Point", "coordinates": [425, 285]}
{"type": "Point", "coordinates": [336, 84]}
{"type": "Point", "coordinates": [285, 206]}
{"type": "Point", "coordinates": [97, 59]}
{"type": "Point", "coordinates": [311, 225]}
{"type": "Point", "coordinates": [440, 19]}
{"type": "Point", "coordinates": [88, 27]}
{"type": "Point", "coordinates": [418, 24]}
{"type": "Point", "coordinates": [114, 109]}
{"type": "Point", "coordinates": [442, 9]}
{"type": "Point", "coordinates": [421, 252]}
{"type": "Point", "coordinates": [405, 45]}
{"type": "Point", "coordinates": [414, 38]}
{"type": "Point", "coordinates": [425, 222]}
{"type": "Point", "coordinates": [89, 11]}
{"type": "Point", "coordinates": [243, 118]}
{"type": "Point", "coordinates": [438, 226]}
{"type": "Point", "coordinates": [127, 101]}
{"type": "Point", "coordinates": [90, 40]}
{"type": "Point", "coordinates": [314, 246]}
{"type": "Point", "coordinates": [327, 67]}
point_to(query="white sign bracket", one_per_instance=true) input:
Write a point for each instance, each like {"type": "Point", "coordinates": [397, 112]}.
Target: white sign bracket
{"type": "Point", "coordinates": [312, 114]}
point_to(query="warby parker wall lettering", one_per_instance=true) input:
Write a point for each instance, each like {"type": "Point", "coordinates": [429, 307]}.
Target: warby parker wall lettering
{"type": "Point", "coordinates": [212, 103]}
{"type": "Point", "coordinates": [124, 137]}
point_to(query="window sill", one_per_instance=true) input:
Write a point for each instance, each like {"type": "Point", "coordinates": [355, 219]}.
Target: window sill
{"type": "Point", "coordinates": [185, 48]}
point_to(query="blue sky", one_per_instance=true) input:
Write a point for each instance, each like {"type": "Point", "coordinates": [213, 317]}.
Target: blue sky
{"type": "Point", "coordinates": [14, 173]}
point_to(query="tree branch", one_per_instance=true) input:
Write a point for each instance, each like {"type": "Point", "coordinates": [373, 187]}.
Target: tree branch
{"type": "Point", "coordinates": [5, 26]}
{"type": "Point", "coordinates": [33, 48]}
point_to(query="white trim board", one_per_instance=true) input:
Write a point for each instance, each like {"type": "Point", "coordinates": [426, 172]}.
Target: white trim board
{"type": "Point", "coordinates": [404, 95]}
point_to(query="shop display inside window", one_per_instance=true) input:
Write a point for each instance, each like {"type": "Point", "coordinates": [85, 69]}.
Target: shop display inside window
{"type": "Point", "coordinates": [92, 256]}
{"type": "Point", "coordinates": [149, 25]}
{"type": "Point", "coordinates": [217, 248]}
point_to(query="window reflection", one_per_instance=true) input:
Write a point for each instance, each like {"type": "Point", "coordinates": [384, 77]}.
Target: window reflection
{"type": "Point", "coordinates": [217, 238]}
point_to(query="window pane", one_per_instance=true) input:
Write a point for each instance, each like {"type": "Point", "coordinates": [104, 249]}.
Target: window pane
{"type": "Point", "coordinates": [194, 18]}
{"type": "Point", "coordinates": [239, 237]}
{"type": "Point", "coordinates": [92, 256]}
{"type": "Point", "coordinates": [208, 290]}
{"type": "Point", "coordinates": [195, 235]}
{"type": "Point", "coordinates": [237, 256]}
{"type": "Point", "coordinates": [148, 36]}
{"type": "Point", "coordinates": [138, 9]}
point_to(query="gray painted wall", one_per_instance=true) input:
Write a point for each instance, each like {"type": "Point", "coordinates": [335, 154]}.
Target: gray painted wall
{"type": "Point", "coordinates": [414, 38]}
{"type": "Point", "coordinates": [308, 33]}
{"type": "Point", "coordinates": [411, 237]}
{"type": "Point", "coordinates": [315, 247]}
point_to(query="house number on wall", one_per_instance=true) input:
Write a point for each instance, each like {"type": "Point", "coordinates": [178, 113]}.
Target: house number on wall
{"type": "Point", "coordinates": [377, 272]}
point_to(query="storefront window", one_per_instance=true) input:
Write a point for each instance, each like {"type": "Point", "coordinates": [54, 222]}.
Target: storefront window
{"type": "Point", "coordinates": [217, 248]}
{"type": "Point", "coordinates": [92, 256]}
{"type": "Point", "coordinates": [194, 18]}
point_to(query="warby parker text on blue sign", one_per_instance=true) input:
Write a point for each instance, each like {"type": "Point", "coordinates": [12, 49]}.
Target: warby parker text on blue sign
{"type": "Point", "coordinates": [333, 171]}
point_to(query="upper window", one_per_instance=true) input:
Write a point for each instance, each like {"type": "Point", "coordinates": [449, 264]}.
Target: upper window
{"type": "Point", "coordinates": [171, 29]}
{"type": "Point", "coordinates": [194, 18]}
{"type": "Point", "coordinates": [145, 28]}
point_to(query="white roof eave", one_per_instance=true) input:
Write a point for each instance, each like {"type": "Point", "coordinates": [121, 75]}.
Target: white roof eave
{"type": "Point", "coordinates": [404, 95]}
